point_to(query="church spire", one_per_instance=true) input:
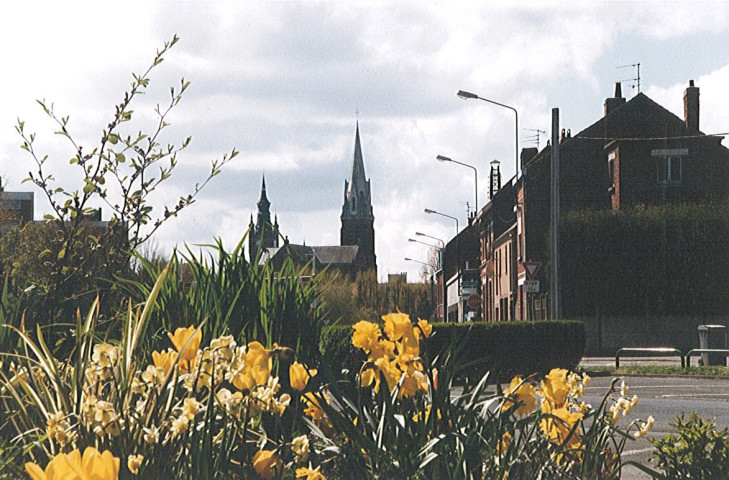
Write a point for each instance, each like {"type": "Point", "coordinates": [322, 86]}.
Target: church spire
{"type": "Point", "coordinates": [263, 203]}
{"type": "Point", "coordinates": [357, 198]}
{"type": "Point", "coordinates": [357, 217]}
{"type": "Point", "coordinates": [263, 234]}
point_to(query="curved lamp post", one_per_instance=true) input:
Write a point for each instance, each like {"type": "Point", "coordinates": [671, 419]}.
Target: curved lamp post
{"type": "Point", "coordinates": [429, 211]}
{"type": "Point", "coordinates": [467, 95]}
{"type": "Point", "coordinates": [457, 263]}
{"type": "Point", "coordinates": [442, 158]}
{"type": "Point", "coordinates": [420, 234]}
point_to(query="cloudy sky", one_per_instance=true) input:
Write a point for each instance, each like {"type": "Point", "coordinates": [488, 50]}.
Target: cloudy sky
{"type": "Point", "coordinates": [285, 83]}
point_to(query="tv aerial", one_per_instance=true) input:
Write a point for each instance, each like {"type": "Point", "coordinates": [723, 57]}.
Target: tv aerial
{"type": "Point", "coordinates": [636, 79]}
{"type": "Point", "coordinates": [535, 136]}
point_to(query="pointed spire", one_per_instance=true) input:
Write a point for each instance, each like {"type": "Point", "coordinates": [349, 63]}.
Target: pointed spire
{"type": "Point", "coordinates": [357, 178]}
{"type": "Point", "coordinates": [263, 203]}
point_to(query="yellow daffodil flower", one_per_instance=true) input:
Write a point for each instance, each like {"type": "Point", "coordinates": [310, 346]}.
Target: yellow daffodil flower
{"type": "Point", "coordinates": [521, 393]}
{"type": "Point", "coordinates": [397, 325]}
{"type": "Point", "coordinates": [299, 375]}
{"type": "Point", "coordinates": [267, 464]}
{"type": "Point", "coordinates": [180, 338]}
{"type": "Point", "coordinates": [558, 427]}
{"type": "Point", "coordinates": [134, 462]}
{"type": "Point", "coordinates": [425, 328]}
{"type": "Point", "coordinates": [366, 334]}
{"type": "Point", "coordinates": [309, 474]}
{"type": "Point", "coordinates": [555, 388]}
{"type": "Point", "coordinates": [93, 465]}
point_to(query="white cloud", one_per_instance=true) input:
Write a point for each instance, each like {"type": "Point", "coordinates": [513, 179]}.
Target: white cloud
{"type": "Point", "coordinates": [282, 82]}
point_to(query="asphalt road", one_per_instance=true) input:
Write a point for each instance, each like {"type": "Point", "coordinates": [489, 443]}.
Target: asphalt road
{"type": "Point", "coordinates": [665, 398]}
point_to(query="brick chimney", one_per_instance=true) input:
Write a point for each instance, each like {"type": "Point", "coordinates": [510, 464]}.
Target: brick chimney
{"type": "Point", "coordinates": [691, 107]}
{"type": "Point", "coordinates": [613, 103]}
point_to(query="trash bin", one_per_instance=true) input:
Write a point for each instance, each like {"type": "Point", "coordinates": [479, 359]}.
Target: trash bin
{"type": "Point", "coordinates": [712, 336]}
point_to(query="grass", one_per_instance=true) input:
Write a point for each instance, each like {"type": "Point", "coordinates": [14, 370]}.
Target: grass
{"type": "Point", "coordinates": [711, 371]}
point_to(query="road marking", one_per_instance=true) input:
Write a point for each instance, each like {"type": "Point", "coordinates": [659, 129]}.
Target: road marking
{"type": "Point", "coordinates": [694, 395]}
{"type": "Point", "coordinates": [637, 451]}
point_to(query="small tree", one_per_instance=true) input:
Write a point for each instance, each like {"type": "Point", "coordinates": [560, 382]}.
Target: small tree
{"type": "Point", "coordinates": [121, 172]}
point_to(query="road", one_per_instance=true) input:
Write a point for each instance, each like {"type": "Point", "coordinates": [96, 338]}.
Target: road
{"type": "Point", "coordinates": [665, 398]}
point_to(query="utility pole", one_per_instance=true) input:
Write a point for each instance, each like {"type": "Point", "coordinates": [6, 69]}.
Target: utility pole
{"type": "Point", "coordinates": [554, 300]}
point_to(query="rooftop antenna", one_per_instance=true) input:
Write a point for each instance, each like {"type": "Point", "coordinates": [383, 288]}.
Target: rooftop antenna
{"type": "Point", "coordinates": [468, 209]}
{"type": "Point", "coordinates": [636, 80]}
{"type": "Point", "coordinates": [534, 137]}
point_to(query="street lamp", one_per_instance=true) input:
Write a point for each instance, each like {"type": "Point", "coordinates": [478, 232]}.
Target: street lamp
{"type": "Point", "coordinates": [442, 158]}
{"type": "Point", "coordinates": [424, 243]}
{"type": "Point", "coordinates": [457, 264]}
{"type": "Point", "coordinates": [442, 243]}
{"type": "Point", "coordinates": [432, 283]}
{"type": "Point", "coordinates": [429, 211]}
{"type": "Point", "coordinates": [466, 95]}
{"type": "Point", "coordinates": [422, 263]}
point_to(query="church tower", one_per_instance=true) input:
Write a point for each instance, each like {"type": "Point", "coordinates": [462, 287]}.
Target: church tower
{"type": "Point", "coordinates": [358, 221]}
{"type": "Point", "coordinates": [263, 234]}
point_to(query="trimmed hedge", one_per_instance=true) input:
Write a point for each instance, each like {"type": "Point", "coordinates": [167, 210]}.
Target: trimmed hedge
{"type": "Point", "coordinates": [503, 348]}
{"type": "Point", "coordinates": [645, 261]}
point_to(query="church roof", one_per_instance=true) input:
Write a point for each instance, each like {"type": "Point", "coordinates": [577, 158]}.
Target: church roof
{"type": "Point", "coordinates": [325, 255]}
{"type": "Point", "coordinates": [336, 255]}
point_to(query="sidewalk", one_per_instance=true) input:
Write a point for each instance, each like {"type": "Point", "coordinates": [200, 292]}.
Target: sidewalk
{"type": "Point", "coordinates": [587, 362]}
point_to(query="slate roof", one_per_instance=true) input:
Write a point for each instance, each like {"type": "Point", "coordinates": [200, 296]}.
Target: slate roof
{"type": "Point", "coordinates": [639, 117]}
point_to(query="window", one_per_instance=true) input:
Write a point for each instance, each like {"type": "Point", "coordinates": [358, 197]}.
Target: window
{"type": "Point", "coordinates": [669, 164]}
{"type": "Point", "coordinates": [669, 170]}
{"type": "Point", "coordinates": [611, 172]}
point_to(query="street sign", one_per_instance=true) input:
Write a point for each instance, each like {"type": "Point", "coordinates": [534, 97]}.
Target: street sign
{"type": "Point", "coordinates": [531, 286]}
{"type": "Point", "coordinates": [531, 269]}
{"type": "Point", "coordinates": [474, 301]}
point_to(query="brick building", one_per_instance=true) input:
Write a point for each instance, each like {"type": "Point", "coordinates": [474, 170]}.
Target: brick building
{"type": "Point", "coordinates": [637, 153]}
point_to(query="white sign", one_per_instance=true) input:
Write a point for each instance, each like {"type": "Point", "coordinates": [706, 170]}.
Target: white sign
{"type": "Point", "coordinates": [531, 286]}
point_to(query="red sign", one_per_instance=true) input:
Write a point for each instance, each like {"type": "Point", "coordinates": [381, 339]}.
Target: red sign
{"type": "Point", "coordinates": [474, 302]}
{"type": "Point", "coordinates": [531, 269]}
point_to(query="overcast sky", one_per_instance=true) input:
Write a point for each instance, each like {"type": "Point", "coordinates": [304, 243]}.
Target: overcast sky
{"type": "Point", "coordinates": [285, 82]}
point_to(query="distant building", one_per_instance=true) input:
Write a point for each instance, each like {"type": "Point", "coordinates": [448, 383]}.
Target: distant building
{"type": "Point", "coordinates": [357, 218]}
{"type": "Point", "coordinates": [16, 208]}
{"type": "Point", "coordinates": [357, 250]}
{"type": "Point", "coordinates": [263, 234]}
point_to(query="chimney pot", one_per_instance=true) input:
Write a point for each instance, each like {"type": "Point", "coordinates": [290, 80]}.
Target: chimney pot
{"type": "Point", "coordinates": [613, 103]}
{"type": "Point", "coordinates": [691, 107]}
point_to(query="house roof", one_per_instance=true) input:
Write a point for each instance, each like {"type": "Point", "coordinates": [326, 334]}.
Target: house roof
{"type": "Point", "coordinates": [640, 117]}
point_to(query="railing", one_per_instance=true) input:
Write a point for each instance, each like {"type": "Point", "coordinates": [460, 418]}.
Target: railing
{"type": "Point", "coordinates": [704, 350]}
{"type": "Point", "coordinates": [653, 350]}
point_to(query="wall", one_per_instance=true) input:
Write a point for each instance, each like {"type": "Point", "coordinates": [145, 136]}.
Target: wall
{"type": "Point", "coordinates": [605, 335]}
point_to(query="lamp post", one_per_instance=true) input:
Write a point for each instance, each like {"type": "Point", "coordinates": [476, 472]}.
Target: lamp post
{"type": "Point", "coordinates": [442, 158]}
{"type": "Point", "coordinates": [422, 263]}
{"type": "Point", "coordinates": [466, 95]}
{"type": "Point", "coordinates": [444, 290]}
{"type": "Point", "coordinates": [457, 263]}
{"type": "Point", "coordinates": [442, 243]}
{"type": "Point", "coordinates": [429, 211]}
{"type": "Point", "coordinates": [432, 282]}
{"type": "Point", "coordinates": [424, 243]}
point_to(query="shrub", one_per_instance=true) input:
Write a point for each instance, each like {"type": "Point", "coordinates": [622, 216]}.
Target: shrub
{"type": "Point", "coordinates": [697, 450]}
{"type": "Point", "coordinates": [512, 348]}
{"type": "Point", "coordinates": [503, 349]}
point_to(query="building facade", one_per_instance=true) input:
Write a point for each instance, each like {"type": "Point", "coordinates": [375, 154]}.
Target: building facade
{"type": "Point", "coordinates": [637, 153]}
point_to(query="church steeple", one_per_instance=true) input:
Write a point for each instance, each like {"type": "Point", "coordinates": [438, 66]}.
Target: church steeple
{"type": "Point", "coordinates": [263, 234]}
{"type": "Point", "coordinates": [357, 216]}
